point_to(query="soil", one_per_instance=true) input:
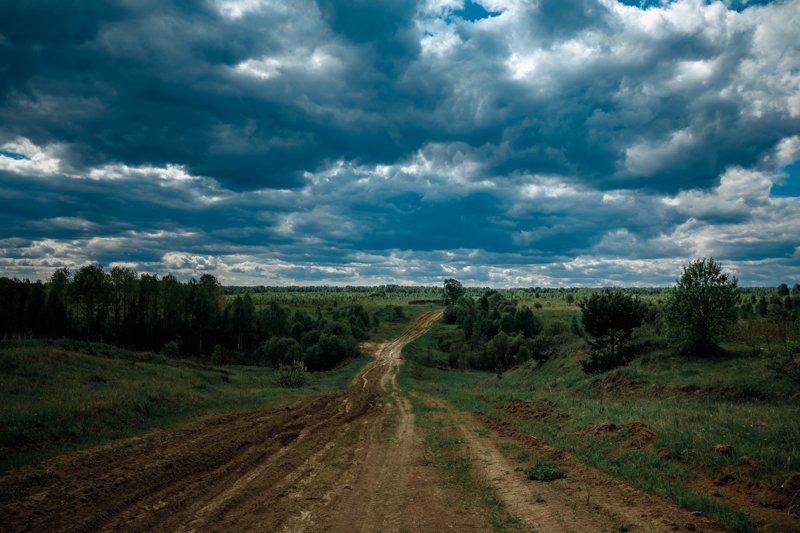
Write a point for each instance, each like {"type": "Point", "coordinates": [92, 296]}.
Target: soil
{"type": "Point", "coordinates": [585, 500]}
{"type": "Point", "coordinates": [349, 461]}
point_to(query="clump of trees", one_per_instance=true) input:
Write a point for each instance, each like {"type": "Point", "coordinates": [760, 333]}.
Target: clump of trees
{"type": "Point", "coordinates": [452, 291]}
{"type": "Point", "coordinates": [701, 307]}
{"type": "Point", "coordinates": [609, 318]}
{"type": "Point", "coordinates": [497, 333]}
{"type": "Point", "coordinates": [145, 312]}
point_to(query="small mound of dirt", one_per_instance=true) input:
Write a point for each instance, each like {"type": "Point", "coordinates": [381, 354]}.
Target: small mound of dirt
{"type": "Point", "coordinates": [639, 435]}
{"type": "Point", "coordinates": [605, 427]}
{"type": "Point", "coordinates": [504, 429]}
{"type": "Point", "coordinates": [791, 489]}
{"type": "Point", "coordinates": [539, 410]}
{"type": "Point", "coordinates": [724, 449]}
{"type": "Point", "coordinates": [617, 383]}
{"type": "Point", "coordinates": [748, 462]}
{"type": "Point", "coordinates": [598, 430]}
{"type": "Point", "coordinates": [664, 453]}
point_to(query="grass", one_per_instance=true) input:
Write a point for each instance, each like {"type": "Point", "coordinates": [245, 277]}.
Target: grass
{"type": "Point", "coordinates": [59, 396]}
{"type": "Point", "coordinates": [690, 404]}
{"type": "Point", "coordinates": [544, 470]}
{"type": "Point", "coordinates": [446, 445]}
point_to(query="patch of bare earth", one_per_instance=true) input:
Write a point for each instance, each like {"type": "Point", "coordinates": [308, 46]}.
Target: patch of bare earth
{"type": "Point", "coordinates": [585, 500]}
{"type": "Point", "coordinates": [336, 462]}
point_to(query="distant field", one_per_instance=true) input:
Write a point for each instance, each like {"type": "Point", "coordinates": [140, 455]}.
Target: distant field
{"type": "Point", "coordinates": [60, 395]}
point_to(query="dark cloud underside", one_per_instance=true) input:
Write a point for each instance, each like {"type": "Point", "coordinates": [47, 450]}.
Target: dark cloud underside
{"type": "Point", "coordinates": [508, 142]}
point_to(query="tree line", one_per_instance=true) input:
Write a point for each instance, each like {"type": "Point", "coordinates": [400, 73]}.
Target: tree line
{"type": "Point", "coordinates": [145, 312]}
{"type": "Point", "coordinates": [693, 317]}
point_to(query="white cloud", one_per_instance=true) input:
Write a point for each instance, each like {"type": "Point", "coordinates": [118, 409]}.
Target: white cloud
{"type": "Point", "coordinates": [37, 160]}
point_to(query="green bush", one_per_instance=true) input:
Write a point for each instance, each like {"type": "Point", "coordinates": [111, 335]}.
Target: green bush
{"type": "Point", "coordinates": [545, 471]}
{"type": "Point", "coordinates": [171, 349]}
{"type": "Point", "coordinates": [293, 375]}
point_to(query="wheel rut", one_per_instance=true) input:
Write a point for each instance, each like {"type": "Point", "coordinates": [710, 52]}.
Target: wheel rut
{"type": "Point", "coordinates": [346, 461]}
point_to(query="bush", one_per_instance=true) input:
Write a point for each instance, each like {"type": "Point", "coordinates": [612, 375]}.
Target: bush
{"type": "Point", "coordinates": [541, 347]}
{"type": "Point", "coordinates": [785, 360]}
{"type": "Point", "coordinates": [545, 471]}
{"type": "Point", "coordinates": [293, 375]}
{"type": "Point", "coordinates": [171, 349]}
{"type": "Point", "coordinates": [450, 314]}
{"type": "Point", "coordinates": [218, 355]}
{"type": "Point", "coordinates": [554, 328]}
{"type": "Point", "coordinates": [280, 350]}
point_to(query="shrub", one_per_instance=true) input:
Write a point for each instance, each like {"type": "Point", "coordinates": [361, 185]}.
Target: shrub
{"type": "Point", "coordinates": [218, 355]}
{"type": "Point", "coordinates": [541, 347]}
{"type": "Point", "coordinates": [171, 349]}
{"type": "Point", "coordinates": [545, 471]}
{"type": "Point", "coordinates": [785, 360]}
{"type": "Point", "coordinates": [293, 375]}
{"type": "Point", "coordinates": [450, 314]}
{"type": "Point", "coordinates": [555, 327]}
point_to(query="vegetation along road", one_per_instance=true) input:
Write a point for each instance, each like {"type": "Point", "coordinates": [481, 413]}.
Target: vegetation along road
{"type": "Point", "coordinates": [358, 460]}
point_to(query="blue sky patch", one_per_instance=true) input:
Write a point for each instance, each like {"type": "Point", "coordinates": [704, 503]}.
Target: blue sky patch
{"type": "Point", "coordinates": [790, 185]}
{"type": "Point", "coordinates": [473, 11]}
{"type": "Point", "coordinates": [12, 155]}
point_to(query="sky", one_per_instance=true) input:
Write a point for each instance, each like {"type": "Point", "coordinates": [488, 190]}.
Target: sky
{"type": "Point", "coordinates": [508, 143]}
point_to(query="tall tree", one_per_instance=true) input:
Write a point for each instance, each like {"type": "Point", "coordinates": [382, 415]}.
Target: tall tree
{"type": "Point", "coordinates": [57, 305]}
{"type": "Point", "coordinates": [701, 306]}
{"type": "Point", "coordinates": [452, 291]}
{"type": "Point", "coordinates": [208, 305]}
{"type": "Point", "coordinates": [89, 288]}
{"type": "Point", "coordinates": [124, 289]}
{"type": "Point", "coordinates": [241, 322]}
{"type": "Point", "coordinates": [609, 317]}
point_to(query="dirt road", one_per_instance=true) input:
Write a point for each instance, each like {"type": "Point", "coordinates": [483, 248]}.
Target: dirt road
{"type": "Point", "coordinates": [351, 461]}
{"type": "Point", "coordinates": [336, 462]}
{"type": "Point", "coordinates": [585, 500]}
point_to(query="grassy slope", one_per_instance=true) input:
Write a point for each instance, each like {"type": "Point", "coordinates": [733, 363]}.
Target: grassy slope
{"type": "Point", "coordinates": [60, 395]}
{"type": "Point", "coordinates": [691, 405]}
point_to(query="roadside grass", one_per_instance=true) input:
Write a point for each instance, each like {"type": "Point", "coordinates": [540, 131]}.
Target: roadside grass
{"type": "Point", "coordinates": [691, 404]}
{"type": "Point", "coordinates": [424, 350]}
{"type": "Point", "coordinates": [392, 327]}
{"type": "Point", "coordinates": [544, 470]}
{"type": "Point", "coordinates": [62, 395]}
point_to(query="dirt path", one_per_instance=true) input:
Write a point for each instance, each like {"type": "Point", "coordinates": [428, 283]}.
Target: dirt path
{"type": "Point", "coordinates": [586, 500]}
{"type": "Point", "coordinates": [352, 461]}
{"type": "Point", "coordinates": [336, 462]}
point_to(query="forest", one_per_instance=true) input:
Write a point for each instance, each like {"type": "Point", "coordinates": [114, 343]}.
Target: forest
{"type": "Point", "coordinates": [321, 326]}
{"type": "Point", "coordinates": [195, 318]}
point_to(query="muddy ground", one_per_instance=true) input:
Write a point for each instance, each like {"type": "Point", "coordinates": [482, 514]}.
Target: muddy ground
{"type": "Point", "coordinates": [351, 461]}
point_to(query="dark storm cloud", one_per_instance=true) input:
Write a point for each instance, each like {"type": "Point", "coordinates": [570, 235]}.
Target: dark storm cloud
{"type": "Point", "coordinates": [156, 83]}
{"type": "Point", "coordinates": [503, 142]}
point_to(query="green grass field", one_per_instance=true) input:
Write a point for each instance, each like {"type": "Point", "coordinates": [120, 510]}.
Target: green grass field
{"type": "Point", "coordinates": [63, 395]}
{"type": "Point", "coordinates": [690, 405]}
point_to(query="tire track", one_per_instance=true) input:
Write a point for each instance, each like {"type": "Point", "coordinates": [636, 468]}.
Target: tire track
{"type": "Point", "coordinates": [327, 462]}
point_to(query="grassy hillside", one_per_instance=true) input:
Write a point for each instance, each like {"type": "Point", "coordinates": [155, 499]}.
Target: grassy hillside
{"type": "Point", "coordinates": [60, 395]}
{"type": "Point", "coordinates": [654, 422]}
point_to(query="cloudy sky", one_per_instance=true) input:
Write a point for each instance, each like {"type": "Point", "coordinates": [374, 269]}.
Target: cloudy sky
{"type": "Point", "coordinates": [506, 142]}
